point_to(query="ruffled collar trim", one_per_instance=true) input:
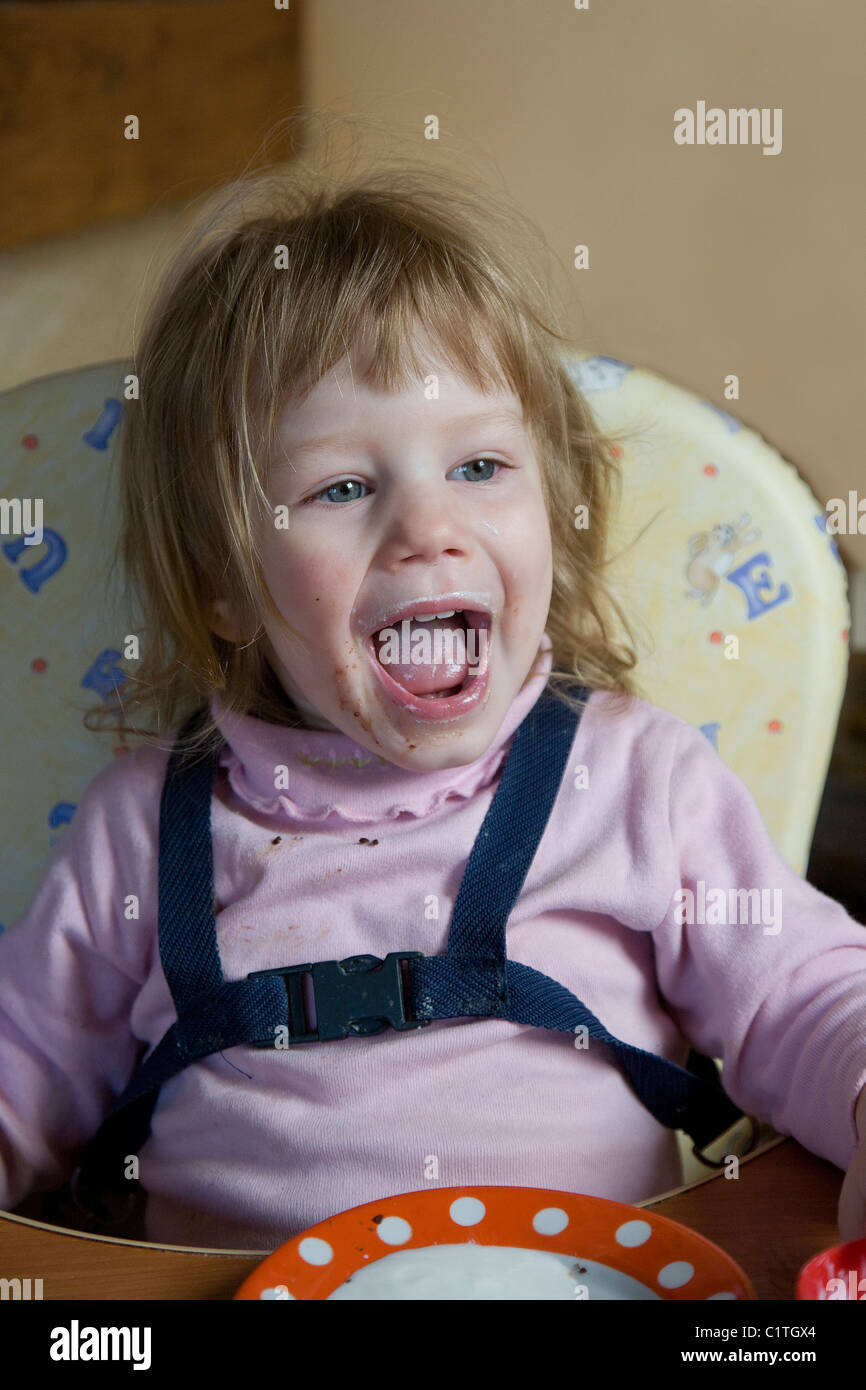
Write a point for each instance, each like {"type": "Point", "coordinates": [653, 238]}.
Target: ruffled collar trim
{"type": "Point", "coordinates": [333, 778]}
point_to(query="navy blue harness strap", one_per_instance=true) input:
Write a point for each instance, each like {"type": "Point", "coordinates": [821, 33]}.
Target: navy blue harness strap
{"type": "Point", "coordinates": [473, 979]}
{"type": "Point", "coordinates": [212, 1013]}
{"type": "Point", "coordinates": [187, 922]}
{"type": "Point", "coordinates": [511, 831]}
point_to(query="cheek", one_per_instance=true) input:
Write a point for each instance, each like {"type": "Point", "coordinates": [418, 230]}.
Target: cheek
{"type": "Point", "coordinates": [308, 588]}
{"type": "Point", "coordinates": [538, 559]}
{"type": "Point", "coordinates": [526, 518]}
{"type": "Point", "coordinates": [537, 544]}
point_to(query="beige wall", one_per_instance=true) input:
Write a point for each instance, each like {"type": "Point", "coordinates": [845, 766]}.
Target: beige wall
{"type": "Point", "coordinates": [704, 261]}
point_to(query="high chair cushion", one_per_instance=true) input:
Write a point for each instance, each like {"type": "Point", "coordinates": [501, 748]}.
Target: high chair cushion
{"type": "Point", "coordinates": [738, 591]}
{"type": "Point", "coordinates": [736, 549]}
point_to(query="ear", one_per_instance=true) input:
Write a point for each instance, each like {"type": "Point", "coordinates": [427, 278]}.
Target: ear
{"type": "Point", "coordinates": [222, 621]}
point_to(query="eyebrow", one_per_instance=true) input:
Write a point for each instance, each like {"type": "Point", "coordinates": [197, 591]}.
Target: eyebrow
{"type": "Point", "coordinates": [454, 427]}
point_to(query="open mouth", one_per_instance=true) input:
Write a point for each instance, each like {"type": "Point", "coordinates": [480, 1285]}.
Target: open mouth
{"type": "Point", "coordinates": [434, 659]}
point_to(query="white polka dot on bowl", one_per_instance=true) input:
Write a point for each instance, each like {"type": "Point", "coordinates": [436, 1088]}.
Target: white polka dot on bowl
{"type": "Point", "coordinates": [550, 1221]}
{"type": "Point", "coordinates": [393, 1230]}
{"type": "Point", "coordinates": [467, 1211]}
{"type": "Point", "coordinates": [674, 1275]}
{"type": "Point", "coordinates": [314, 1251]}
{"type": "Point", "coordinates": [633, 1233]}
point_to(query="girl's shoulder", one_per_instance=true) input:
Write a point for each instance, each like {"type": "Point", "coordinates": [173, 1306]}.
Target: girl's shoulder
{"type": "Point", "coordinates": [122, 800]}
{"type": "Point", "coordinates": [645, 747]}
{"type": "Point", "coordinates": [632, 719]}
{"type": "Point", "coordinates": [142, 764]}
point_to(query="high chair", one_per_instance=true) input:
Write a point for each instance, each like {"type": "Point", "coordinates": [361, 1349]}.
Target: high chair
{"type": "Point", "coordinates": [724, 563]}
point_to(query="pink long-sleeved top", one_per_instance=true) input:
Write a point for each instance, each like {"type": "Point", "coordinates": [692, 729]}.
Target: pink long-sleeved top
{"type": "Point", "coordinates": [250, 1146]}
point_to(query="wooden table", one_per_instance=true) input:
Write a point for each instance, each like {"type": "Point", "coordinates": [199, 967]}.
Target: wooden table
{"type": "Point", "coordinates": [779, 1212]}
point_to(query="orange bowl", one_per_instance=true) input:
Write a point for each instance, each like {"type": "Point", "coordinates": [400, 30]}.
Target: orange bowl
{"type": "Point", "coordinates": [608, 1250]}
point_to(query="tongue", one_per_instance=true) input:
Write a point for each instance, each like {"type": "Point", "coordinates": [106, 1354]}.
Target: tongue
{"type": "Point", "coordinates": [421, 664]}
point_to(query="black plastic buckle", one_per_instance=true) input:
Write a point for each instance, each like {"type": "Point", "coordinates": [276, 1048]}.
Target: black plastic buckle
{"type": "Point", "coordinates": [360, 995]}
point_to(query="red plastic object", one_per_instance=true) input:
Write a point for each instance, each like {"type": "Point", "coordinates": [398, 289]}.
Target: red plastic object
{"type": "Point", "coordinates": [835, 1274]}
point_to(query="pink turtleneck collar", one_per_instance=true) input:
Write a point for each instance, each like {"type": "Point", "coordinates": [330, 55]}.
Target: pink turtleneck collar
{"type": "Point", "coordinates": [331, 777]}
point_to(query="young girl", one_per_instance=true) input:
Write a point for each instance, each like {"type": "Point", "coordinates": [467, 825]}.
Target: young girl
{"type": "Point", "coordinates": [356, 441]}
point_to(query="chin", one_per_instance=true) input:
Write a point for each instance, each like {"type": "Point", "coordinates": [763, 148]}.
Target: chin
{"type": "Point", "coordinates": [432, 759]}
{"type": "Point", "coordinates": [430, 748]}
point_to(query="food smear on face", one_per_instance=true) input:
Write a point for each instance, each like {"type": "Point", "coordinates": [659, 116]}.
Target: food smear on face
{"type": "Point", "coordinates": [469, 1271]}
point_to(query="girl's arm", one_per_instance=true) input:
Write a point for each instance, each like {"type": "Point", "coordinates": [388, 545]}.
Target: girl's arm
{"type": "Point", "coordinates": [772, 980]}
{"type": "Point", "coordinates": [70, 973]}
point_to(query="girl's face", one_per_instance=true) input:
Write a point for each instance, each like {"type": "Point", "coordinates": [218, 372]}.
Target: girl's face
{"type": "Point", "coordinates": [409, 502]}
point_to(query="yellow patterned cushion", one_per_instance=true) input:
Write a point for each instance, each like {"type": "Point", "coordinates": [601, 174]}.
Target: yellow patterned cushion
{"type": "Point", "coordinates": [737, 549]}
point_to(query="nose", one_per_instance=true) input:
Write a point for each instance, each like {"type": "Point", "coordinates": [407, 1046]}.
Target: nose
{"type": "Point", "coordinates": [424, 523]}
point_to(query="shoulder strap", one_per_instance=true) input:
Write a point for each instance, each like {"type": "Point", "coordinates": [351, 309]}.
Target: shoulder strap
{"type": "Point", "coordinates": [187, 921]}
{"type": "Point", "coordinates": [512, 829]}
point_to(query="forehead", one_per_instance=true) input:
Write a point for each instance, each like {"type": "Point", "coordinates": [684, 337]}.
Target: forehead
{"type": "Point", "coordinates": [344, 399]}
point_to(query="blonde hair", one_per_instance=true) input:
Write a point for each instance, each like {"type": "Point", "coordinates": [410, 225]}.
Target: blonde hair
{"type": "Point", "coordinates": [229, 336]}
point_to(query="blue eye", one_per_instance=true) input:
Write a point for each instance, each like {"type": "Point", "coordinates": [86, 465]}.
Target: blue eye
{"type": "Point", "coordinates": [485, 462]}
{"type": "Point", "coordinates": [344, 482]}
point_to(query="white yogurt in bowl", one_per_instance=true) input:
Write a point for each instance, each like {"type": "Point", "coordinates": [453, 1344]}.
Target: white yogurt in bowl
{"type": "Point", "coordinates": [470, 1271]}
